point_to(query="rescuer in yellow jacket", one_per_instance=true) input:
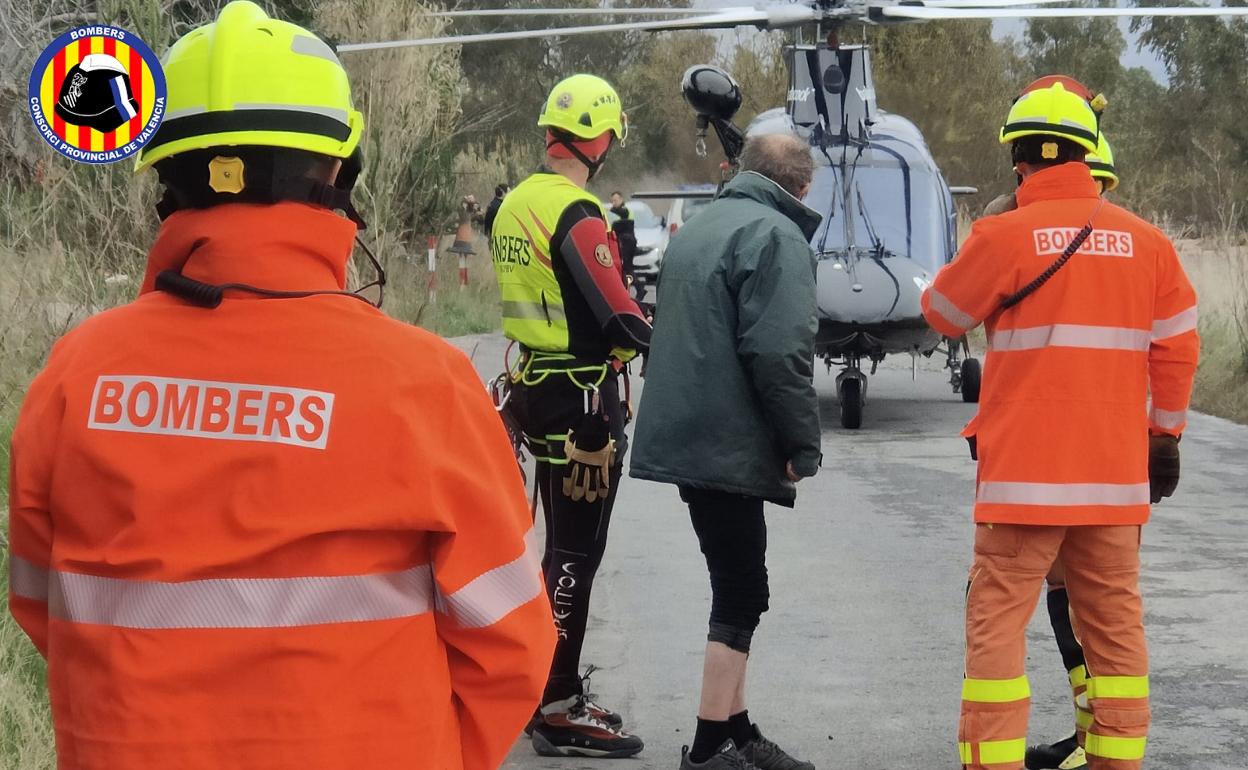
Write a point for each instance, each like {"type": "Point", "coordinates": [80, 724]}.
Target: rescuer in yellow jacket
{"type": "Point", "coordinates": [255, 523]}
{"type": "Point", "coordinates": [565, 303]}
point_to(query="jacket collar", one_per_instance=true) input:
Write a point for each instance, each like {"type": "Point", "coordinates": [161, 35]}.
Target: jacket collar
{"type": "Point", "coordinates": [756, 187]}
{"type": "Point", "coordinates": [1069, 180]}
{"type": "Point", "coordinates": [284, 246]}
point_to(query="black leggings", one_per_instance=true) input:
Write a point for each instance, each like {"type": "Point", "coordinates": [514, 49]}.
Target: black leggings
{"type": "Point", "coordinates": [732, 534]}
{"type": "Point", "coordinates": [576, 531]}
{"type": "Point", "coordinates": [1059, 617]}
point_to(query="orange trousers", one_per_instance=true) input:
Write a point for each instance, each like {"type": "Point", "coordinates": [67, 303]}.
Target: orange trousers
{"type": "Point", "coordinates": [1102, 565]}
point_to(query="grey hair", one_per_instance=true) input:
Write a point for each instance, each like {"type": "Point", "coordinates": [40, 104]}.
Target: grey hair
{"type": "Point", "coordinates": [782, 158]}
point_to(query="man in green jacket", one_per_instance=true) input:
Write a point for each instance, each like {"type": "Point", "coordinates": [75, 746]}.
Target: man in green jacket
{"type": "Point", "coordinates": [730, 415]}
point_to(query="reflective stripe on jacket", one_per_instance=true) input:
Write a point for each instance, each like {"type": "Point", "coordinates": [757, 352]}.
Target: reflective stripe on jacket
{"type": "Point", "coordinates": [533, 307]}
{"type": "Point", "coordinates": [1064, 411]}
{"type": "Point", "coordinates": [282, 533]}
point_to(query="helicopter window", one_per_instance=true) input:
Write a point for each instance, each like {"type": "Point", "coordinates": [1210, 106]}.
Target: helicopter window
{"type": "Point", "coordinates": [878, 202]}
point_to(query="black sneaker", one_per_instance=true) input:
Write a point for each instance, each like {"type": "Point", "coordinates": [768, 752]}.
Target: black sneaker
{"type": "Point", "coordinates": [1063, 755]}
{"type": "Point", "coordinates": [569, 729]}
{"type": "Point", "coordinates": [726, 757]}
{"type": "Point", "coordinates": [766, 755]}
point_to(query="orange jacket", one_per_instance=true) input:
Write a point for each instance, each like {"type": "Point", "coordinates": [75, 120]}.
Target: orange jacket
{"type": "Point", "coordinates": [286, 534]}
{"type": "Point", "coordinates": [1063, 418]}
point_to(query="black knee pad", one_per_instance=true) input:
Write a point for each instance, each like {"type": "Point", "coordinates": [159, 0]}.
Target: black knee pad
{"type": "Point", "coordinates": [734, 638]}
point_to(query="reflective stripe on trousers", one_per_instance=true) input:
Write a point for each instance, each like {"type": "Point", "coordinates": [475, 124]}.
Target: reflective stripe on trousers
{"type": "Point", "coordinates": [276, 602]}
{"type": "Point", "coordinates": [1108, 737]}
{"type": "Point", "coordinates": [998, 707]}
{"type": "Point", "coordinates": [1078, 677]}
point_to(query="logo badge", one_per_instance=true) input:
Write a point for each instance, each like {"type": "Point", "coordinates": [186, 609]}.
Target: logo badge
{"type": "Point", "coordinates": [563, 100]}
{"type": "Point", "coordinates": [603, 255]}
{"type": "Point", "coordinates": [97, 94]}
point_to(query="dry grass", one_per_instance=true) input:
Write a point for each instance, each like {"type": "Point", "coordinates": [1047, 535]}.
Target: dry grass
{"type": "Point", "coordinates": [1218, 267]}
{"type": "Point", "coordinates": [25, 720]}
{"type": "Point", "coordinates": [41, 294]}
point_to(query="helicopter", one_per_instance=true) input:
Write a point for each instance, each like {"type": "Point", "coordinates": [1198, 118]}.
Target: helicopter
{"type": "Point", "coordinates": [889, 222]}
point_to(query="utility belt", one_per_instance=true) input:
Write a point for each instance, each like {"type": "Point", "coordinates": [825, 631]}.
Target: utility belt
{"type": "Point", "coordinates": [536, 366]}
{"type": "Point", "coordinates": [587, 450]}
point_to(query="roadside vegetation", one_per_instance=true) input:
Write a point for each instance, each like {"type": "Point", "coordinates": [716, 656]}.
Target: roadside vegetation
{"type": "Point", "coordinates": [444, 122]}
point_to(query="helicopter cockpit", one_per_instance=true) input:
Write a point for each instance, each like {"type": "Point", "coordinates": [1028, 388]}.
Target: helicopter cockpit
{"type": "Point", "coordinates": [897, 210]}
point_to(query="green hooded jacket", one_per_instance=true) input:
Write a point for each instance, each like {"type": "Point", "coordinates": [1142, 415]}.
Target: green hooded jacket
{"type": "Point", "coordinates": [729, 396]}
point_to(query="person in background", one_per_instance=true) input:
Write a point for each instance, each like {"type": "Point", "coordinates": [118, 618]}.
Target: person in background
{"type": "Point", "coordinates": [491, 210]}
{"type": "Point", "coordinates": [730, 416]}
{"type": "Point", "coordinates": [626, 235]}
{"type": "Point", "coordinates": [469, 214]}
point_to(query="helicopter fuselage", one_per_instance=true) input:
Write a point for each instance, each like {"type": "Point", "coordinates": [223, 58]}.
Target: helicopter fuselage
{"type": "Point", "coordinates": [889, 225]}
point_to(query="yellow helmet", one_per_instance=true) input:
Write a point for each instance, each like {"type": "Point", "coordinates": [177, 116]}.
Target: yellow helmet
{"type": "Point", "coordinates": [1052, 111]}
{"type": "Point", "coordinates": [585, 106]}
{"type": "Point", "coordinates": [247, 79]}
{"type": "Point", "coordinates": [1102, 164]}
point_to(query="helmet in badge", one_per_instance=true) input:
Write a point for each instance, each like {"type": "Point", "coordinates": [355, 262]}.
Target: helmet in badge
{"type": "Point", "coordinates": [96, 94]}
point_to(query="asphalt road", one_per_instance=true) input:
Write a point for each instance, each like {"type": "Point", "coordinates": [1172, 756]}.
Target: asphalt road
{"type": "Point", "coordinates": [859, 662]}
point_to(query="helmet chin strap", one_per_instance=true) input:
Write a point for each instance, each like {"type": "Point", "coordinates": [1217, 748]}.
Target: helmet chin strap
{"type": "Point", "coordinates": [594, 164]}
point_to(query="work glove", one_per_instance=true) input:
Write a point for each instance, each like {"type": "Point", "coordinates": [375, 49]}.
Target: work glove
{"type": "Point", "coordinates": [591, 452]}
{"type": "Point", "coordinates": [1163, 466]}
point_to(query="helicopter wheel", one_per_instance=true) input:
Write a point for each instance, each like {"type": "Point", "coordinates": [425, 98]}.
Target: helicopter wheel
{"type": "Point", "coordinates": [970, 376]}
{"type": "Point", "coordinates": [851, 403]}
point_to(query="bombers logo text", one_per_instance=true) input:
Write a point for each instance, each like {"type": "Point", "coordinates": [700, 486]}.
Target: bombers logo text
{"type": "Point", "coordinates": [205, 409]}
{"type": "Point", "coordinates": [97, 94]}
{"type": "Point", "coordinates": [1100, 243]}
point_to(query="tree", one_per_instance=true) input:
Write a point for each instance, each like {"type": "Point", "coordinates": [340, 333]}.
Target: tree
{"type": "Point", "coordinates": [1203, 144]}
{"type": "Point", "coordinates": [1088, 50]}
{"type": "Point", "coordinates": [921, 73]}
{"type": "Point", "coordinates": [661, 125]}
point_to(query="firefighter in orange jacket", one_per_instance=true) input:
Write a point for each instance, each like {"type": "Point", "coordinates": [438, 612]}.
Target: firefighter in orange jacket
{"type": "Point", "coordinates": [1087, 311]}
{"type": "Point", "coordinates": [1067, 753]}
{"type": "Point", "coordinates": [255, 523]}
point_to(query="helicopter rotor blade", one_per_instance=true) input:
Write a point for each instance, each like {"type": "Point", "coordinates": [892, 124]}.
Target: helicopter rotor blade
{"type": "Point", "coordinates": [522, 12]}
{"type": "Point", "coordinates": [776, 16]}
{"type": "Point", "coordinates": [984, 3]}
{"type": "Point", "coordinates": [899, 12]}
